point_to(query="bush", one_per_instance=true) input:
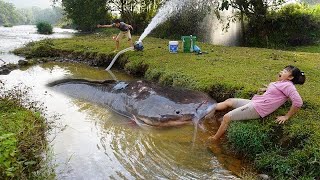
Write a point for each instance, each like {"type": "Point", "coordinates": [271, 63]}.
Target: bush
{"type": "Point", "coordinates": [44, 28]}
{"type": "Point", "coordinates": [292, 25]}
{"type": "Point", "coordinates": [7, 25]}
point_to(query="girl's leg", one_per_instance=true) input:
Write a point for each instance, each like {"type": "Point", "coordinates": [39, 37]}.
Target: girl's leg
{"type": "Point", "coordinates": [224, 105]}
{"type": "Point", "coordinates": [223, 127]}
{"type": "Point", "coordinates": [229, 103]}
{"type": "Point", "coordinates": [241, 113]}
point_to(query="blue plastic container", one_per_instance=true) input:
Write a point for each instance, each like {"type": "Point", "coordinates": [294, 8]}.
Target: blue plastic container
{"type": "Point", "coordinates": [173, 46]}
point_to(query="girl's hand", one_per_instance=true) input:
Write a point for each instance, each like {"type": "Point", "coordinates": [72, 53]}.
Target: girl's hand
{"type": "Point", "coordinates": [262, 90]}
{"type": "Point", "coordinates": [281, 119]}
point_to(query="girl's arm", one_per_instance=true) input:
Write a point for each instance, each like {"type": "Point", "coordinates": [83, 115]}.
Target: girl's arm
{"type": "Point", "coordinates": [296, 100]}
{"type": "Point", "coordinates": [291, 112]}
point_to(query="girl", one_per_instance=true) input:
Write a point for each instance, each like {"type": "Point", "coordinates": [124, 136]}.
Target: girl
{"type": "Point", "coordinates": [275, 96]}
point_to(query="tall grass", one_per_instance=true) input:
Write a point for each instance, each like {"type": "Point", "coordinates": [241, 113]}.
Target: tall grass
{"type": "Point", "coordinates": [23, 145]}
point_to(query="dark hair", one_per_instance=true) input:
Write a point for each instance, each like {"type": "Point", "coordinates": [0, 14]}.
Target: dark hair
{"type": "Point", "coordinates": [298, 76]}
{"type": "Point", "coordinates": [117, 21]}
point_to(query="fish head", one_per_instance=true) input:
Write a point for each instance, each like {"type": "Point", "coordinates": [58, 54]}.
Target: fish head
{"type": "Point", "coordinates": [174, 114]}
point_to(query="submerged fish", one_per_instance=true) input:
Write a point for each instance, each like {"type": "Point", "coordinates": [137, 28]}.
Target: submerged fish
{"type": "Point", "coordinates": [143, 101]}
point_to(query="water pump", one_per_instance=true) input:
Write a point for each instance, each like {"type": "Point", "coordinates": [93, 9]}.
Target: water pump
{"type": "Point", "coordinates": [138, 46]}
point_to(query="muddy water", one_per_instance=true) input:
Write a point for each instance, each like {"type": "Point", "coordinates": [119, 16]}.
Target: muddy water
{"type": "Point", "coordinates": [96, 143]}
{"type": "Point", "coordinates": [16, 36]}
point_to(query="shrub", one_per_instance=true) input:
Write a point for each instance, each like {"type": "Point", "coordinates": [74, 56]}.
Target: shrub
{"type": "Point", "coordinates": [292, 25]}
{"type": "Point", "coordinates": [7, 25]}
{"type": "Point", "coordinates": [44, 28]}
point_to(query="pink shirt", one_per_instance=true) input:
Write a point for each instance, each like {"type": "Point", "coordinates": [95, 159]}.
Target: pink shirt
{"type": "Point", "coordinates": [276, 95]}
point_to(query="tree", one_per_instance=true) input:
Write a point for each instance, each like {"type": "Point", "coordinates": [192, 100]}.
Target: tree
{"type": "Point", "coordinates": [26, 16]}
{"type": "Point", "coordinates": [85, 14]}
{"type": "Point", "coordinates": [8, 13]}
{"type": "Point", "coordinates": [254, 11]}
{"type": "Point", "coordinates": [50, 15]}
{"type": "Point", "coordinates": [138, 13]}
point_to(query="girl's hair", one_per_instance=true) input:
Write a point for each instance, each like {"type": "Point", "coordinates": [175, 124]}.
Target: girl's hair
{"type": "Point", "coordinates": [298, 76]}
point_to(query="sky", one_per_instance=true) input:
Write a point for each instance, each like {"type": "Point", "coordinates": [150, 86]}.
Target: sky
{"type": "Point", "coordinates": [30, 3]}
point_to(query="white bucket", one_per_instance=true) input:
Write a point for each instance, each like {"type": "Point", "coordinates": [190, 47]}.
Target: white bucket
{"type": "Point", "coordinates": [173, 46]}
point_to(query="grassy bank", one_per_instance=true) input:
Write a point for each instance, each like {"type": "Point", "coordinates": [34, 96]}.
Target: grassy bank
{"type": "Point", "coordinates": [282, 151]}
{"type": "Point", "coordinates": [22, 140]}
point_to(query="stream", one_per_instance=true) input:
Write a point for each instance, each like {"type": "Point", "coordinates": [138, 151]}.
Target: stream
{"type": "Point", "coordinates": [97, 143]}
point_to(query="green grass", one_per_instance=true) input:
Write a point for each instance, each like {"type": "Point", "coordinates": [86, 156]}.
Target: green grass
{"type": "Point", "coordinates": [225, 72]}
{"type": "Point", "coordinates": [23, 142]}
{"type": "Point", "coordinates": [311, 49]}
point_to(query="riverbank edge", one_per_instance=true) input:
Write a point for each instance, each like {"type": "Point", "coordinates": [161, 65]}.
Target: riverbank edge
{"type": "Point", "coordinates": [257, 141]}
{"type": "Point", "coordinates": [23, 143]}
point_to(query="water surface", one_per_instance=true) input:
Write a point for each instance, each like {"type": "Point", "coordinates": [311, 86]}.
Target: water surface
{"type": "Point", "coordinates": [97, 143]}
{"type": "Point", "coordinates": [17, 36]}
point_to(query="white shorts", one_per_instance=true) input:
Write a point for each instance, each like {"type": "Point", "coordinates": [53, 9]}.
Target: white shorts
{"type": "Point", "coordinates": [243, 110]}
{"type": "Point", "coordinates": [124, 34]}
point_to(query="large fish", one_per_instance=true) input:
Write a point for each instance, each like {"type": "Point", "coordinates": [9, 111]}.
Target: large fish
{"type": "Point", "coordinates": [143, 101]}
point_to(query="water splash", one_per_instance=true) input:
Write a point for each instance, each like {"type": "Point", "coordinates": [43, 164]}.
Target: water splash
{"type": "Point", "coordinates": [215, 31]}
{"type": "Point", "coordinates": [169, 9]}
{"type": "Point", "coordinates": [197, 120]}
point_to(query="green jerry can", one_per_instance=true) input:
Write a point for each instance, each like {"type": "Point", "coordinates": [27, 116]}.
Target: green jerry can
{"type": "Point", "coordinates": [188, 43]}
